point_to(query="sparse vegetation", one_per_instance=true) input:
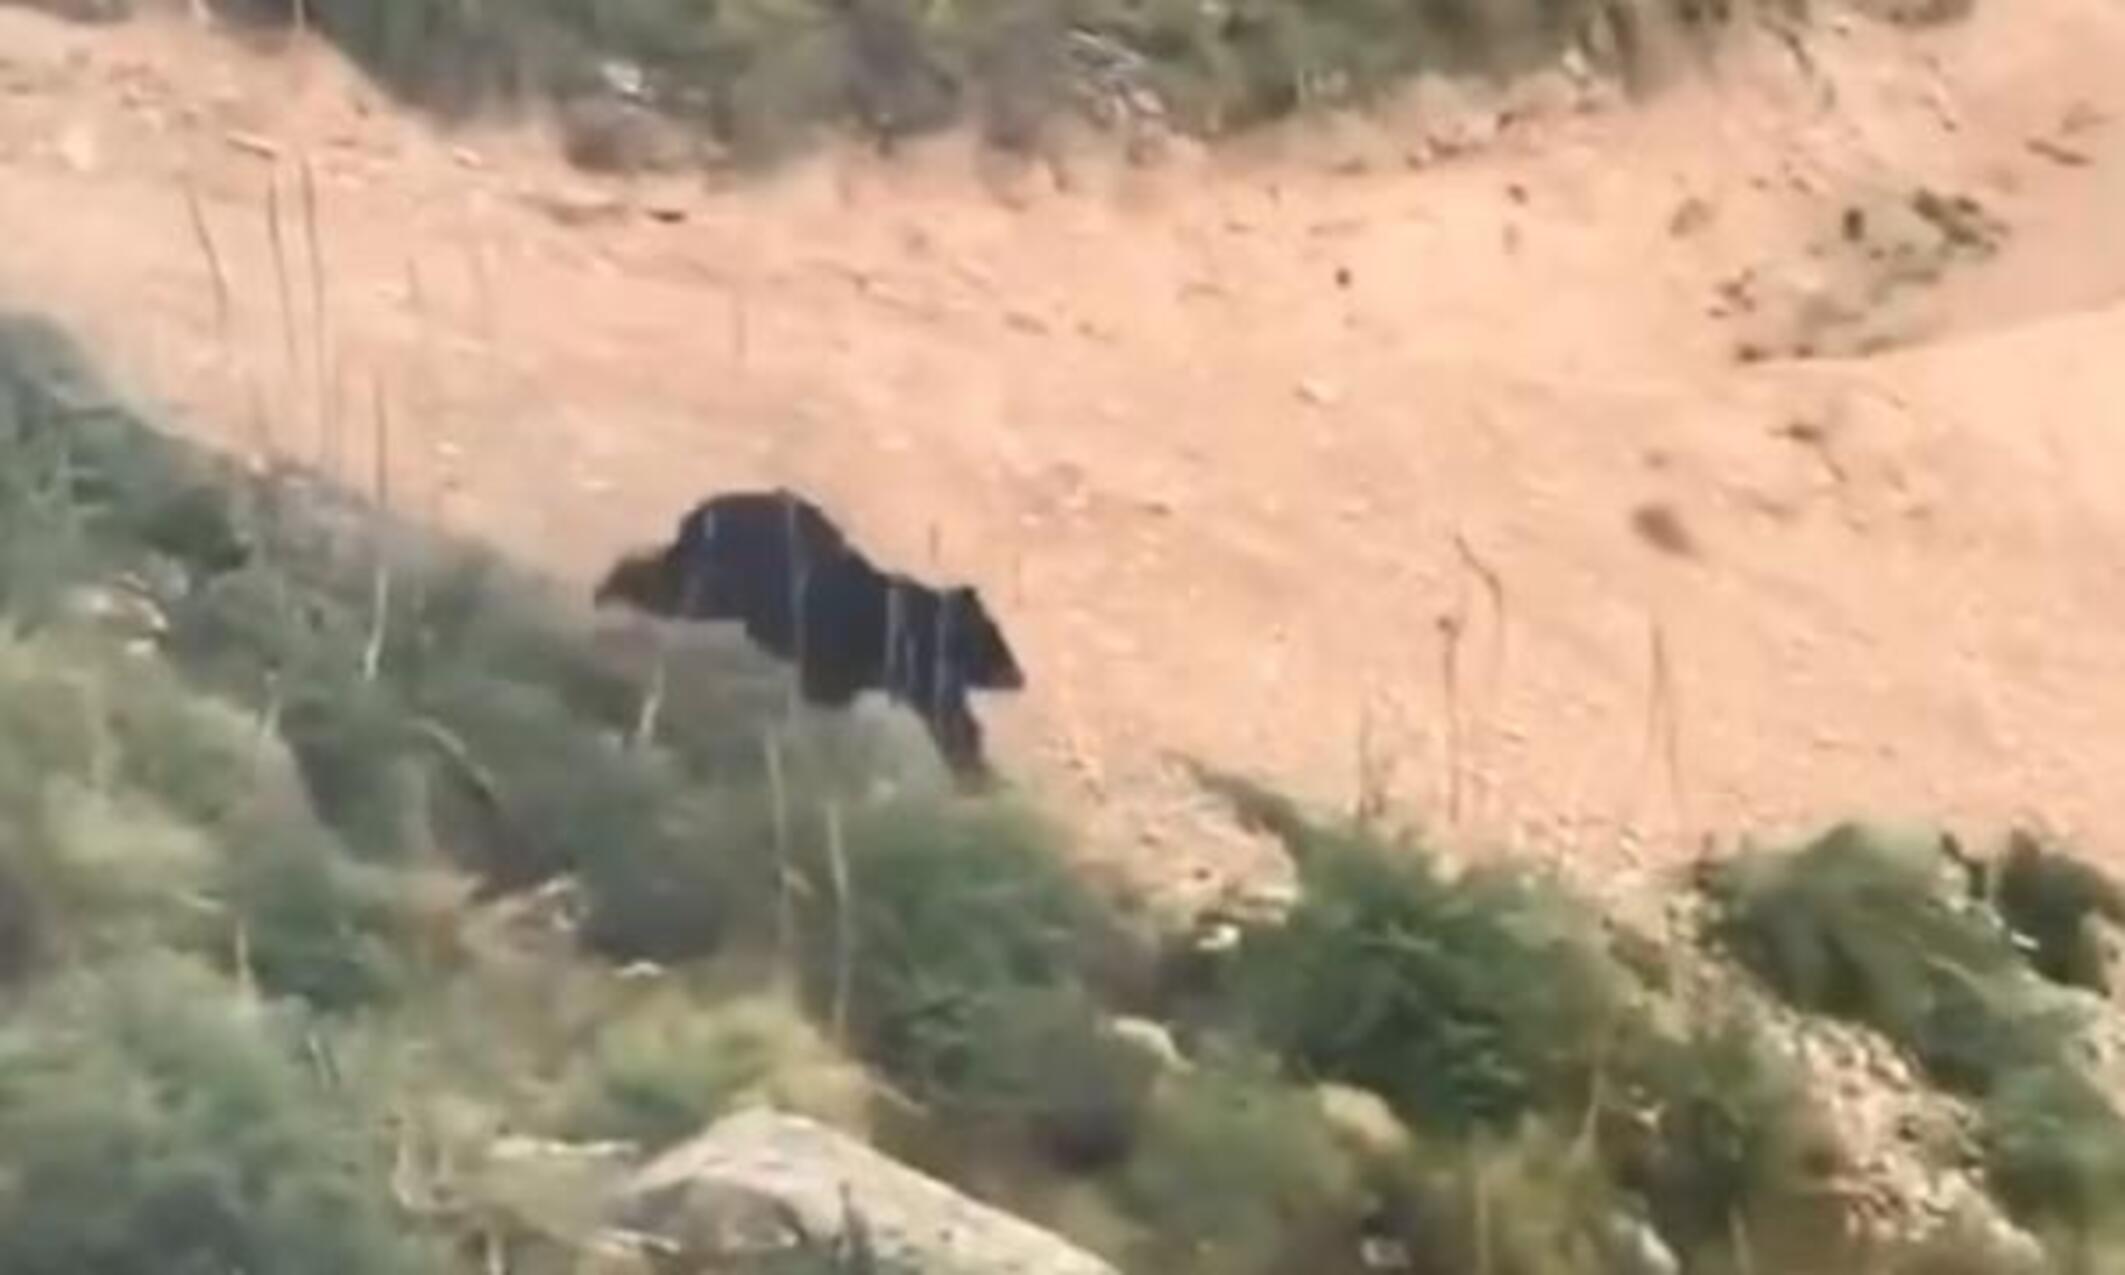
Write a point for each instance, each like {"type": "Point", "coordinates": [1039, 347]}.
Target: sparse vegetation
{"type": "Point", "coordinates": [1863, 925]}
{"type": "Point", "coordinates": [2059, 905]}
{"type": "Point", "coordinates": [155, 1119]}
{"type": "Point", "coordinates": [295, 940]}
{"type": "Point", "coordinates": [756, 78]}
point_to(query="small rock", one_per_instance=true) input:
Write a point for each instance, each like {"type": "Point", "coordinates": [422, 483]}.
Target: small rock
{"type": "Point", "coordinates": [2059, 153]}
{"type": "Point", "coordinates": [1662, 527]}
{"type": "Point", "coordinates": [1363, 1117]}
{"type": "Point", "coordinates": [2082, 117]}
{"type": "Point", "coordinates": [667, 210]}
{"type": "Point", "coordinates": [1318, 392]}
{"type": "Point", "coordinates": [1153, 1039]}
{"type": "Point", "coordinates": [577, 205]}
{"type": "Point", "coordinates": [78, 149]}
{"type": "Point", "coordinates": [1454, 122]}
{"type": "Point", "coordinates": [252, 144]}
{"type": "Point", "coordinates": [1690, 216]}
{"type": "Point", "coordinates": [1638, 1249]}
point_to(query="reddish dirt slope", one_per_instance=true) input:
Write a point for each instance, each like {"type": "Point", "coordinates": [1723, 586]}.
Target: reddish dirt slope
{"type": "Point", "coordinates": [1209, 430]}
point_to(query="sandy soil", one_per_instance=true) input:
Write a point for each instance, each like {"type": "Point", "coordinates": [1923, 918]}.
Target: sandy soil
{"type": "Point", "coordinates": [1228, 437]}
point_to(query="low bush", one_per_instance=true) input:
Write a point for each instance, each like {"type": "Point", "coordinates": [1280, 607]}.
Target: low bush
{"type": "Point", "coordinates": [140, 813]}
{"type": "Point", "coordinates": [970, 973]}
{"type": "Point", "coordinates": [1491, 1011]}
{"type": "Point", "coordinates": [1861, 925]}
{"type": "Point", "coordinates": [2055, 901]}
{"type": "Point", "coordinates": [1467, 1001]}
{"type": "Point", "coordinates": [1726, 1146]}
{"type": "Point", "coordinates": [1238, 1172]}
{"type": "Point", "coordinates": [2055, 1148]}
{"type": "Point", "coordinates": [762, 76]}
{"type": "Point", "coordinates": [152, 1121]}
{"type": "Point", "coordinates": [663, 1069]}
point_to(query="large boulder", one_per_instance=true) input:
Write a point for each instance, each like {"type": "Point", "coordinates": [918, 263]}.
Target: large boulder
{"type": "Point", "coordinates": [753, 1178]}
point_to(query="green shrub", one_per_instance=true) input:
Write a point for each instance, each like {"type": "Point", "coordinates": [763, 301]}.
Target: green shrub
{"type": "Point", "coordinates": [2054, 900]}
{"type": "Point", "coordinates": [1735, 1150]}
{"type": "Point", "coordinates": [1044, 1064]}
{"type": "Point", "coordinates": [139, 812]}
{"type": "Point", "coordinates": [971, 977]}
{"type": "Point", "coordinates": [954, 909]}
{"type": "Point", "coordinates": [2055, 1150]}
{"type": "Point", "coordinates": [1860, 925]}
{"type": "Point", "coordinates": [310, 923]}
{"type": "Point", "coordinates": [74, 448]}
{"type": "Point", "coordinates": [761, 77]}
{"type": "Point", "coordinates": [664, 1069]}
{"type": "Point", "coordinates": [1467, 1002]}
{"type": "Point", "coordinates": [149, 1121]}
{"type": "Point", "coordinates": [1239, 1173]}
{"type": "Point", "coordinates": [1531, 1202]}
{"type": "Point", "coordinates": [1491, 1011]}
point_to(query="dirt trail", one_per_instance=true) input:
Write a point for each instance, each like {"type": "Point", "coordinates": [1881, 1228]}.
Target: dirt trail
{"type": "Point", "coordinates": [1211, 431]}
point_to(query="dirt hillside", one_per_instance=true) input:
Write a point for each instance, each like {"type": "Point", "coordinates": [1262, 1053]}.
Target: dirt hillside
{"type": "Point", "coordinates": [1781, 412]}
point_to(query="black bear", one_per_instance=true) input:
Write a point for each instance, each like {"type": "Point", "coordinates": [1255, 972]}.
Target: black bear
{"type": "Point", "coordinates": [774, 562]}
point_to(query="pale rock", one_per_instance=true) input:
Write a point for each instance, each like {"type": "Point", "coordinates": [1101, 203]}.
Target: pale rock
{"type": "Point", "coordinates": [1153, 1039]}
{"type": "Point", "coordinates": [1364, 1118]}
{"type": "Point", "coordinates": [743, 1186]}
{"type": "Point", "coordinates": [78, 149]}
{"type": "Point", "coordinates": [577, 205]}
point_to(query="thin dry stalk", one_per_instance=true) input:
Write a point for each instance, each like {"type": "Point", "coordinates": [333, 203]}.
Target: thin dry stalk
{"type": "Point", "coordinates": [280, 275]}
{"type": "Point", "coordinates": [1672, 736]}
{"type": "Point", "coordinates": [96, 727]}
{"type": "Point", "coordinates": [785, 874]}
{"type": "Point", "coordinates": [321, 1061]}
{"type": "Point", "coordinates": [417, 298]}
{"type": "Point", "coordinates": [223, 309]}
{"type": "Point", "coordinates": [268, 725]}
{"type": "Point", "coordinates": [844, 922]}
{"type": "Point", "coordinates": [380, 596]}
{"type": "Point", "coordinates": [482, 289]}
{"type": "Point", "coordinates": [1482, 1210]}
{"type": "Point", "coordinates": [1663, 736]}
{"type": "Point", "coordinates": [1450, 683]}
{"type": "Point", "coordinates": [313, 245]}
{"type": "Point", "coordinates": [483, 298]}
{"type": "Point", "coordinates": [1744, 1244]}
{"type": "Point", "coordinates": [331, 450]}
{"type": "Point", "coordinates": [246, 977]}
{"type": "Point", "coordinates": [426, 364]}
{"type": "Point", "coordinates": [652, 699]}
{"type": "Point", "coordinates": [1494, 589]}
{"type": "Point", "coordinates": [261, 419]}
{"type": "Point", "coordinates": [1375, 770]}
{"type": "Point", "coordinates": [1597, 1097]}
